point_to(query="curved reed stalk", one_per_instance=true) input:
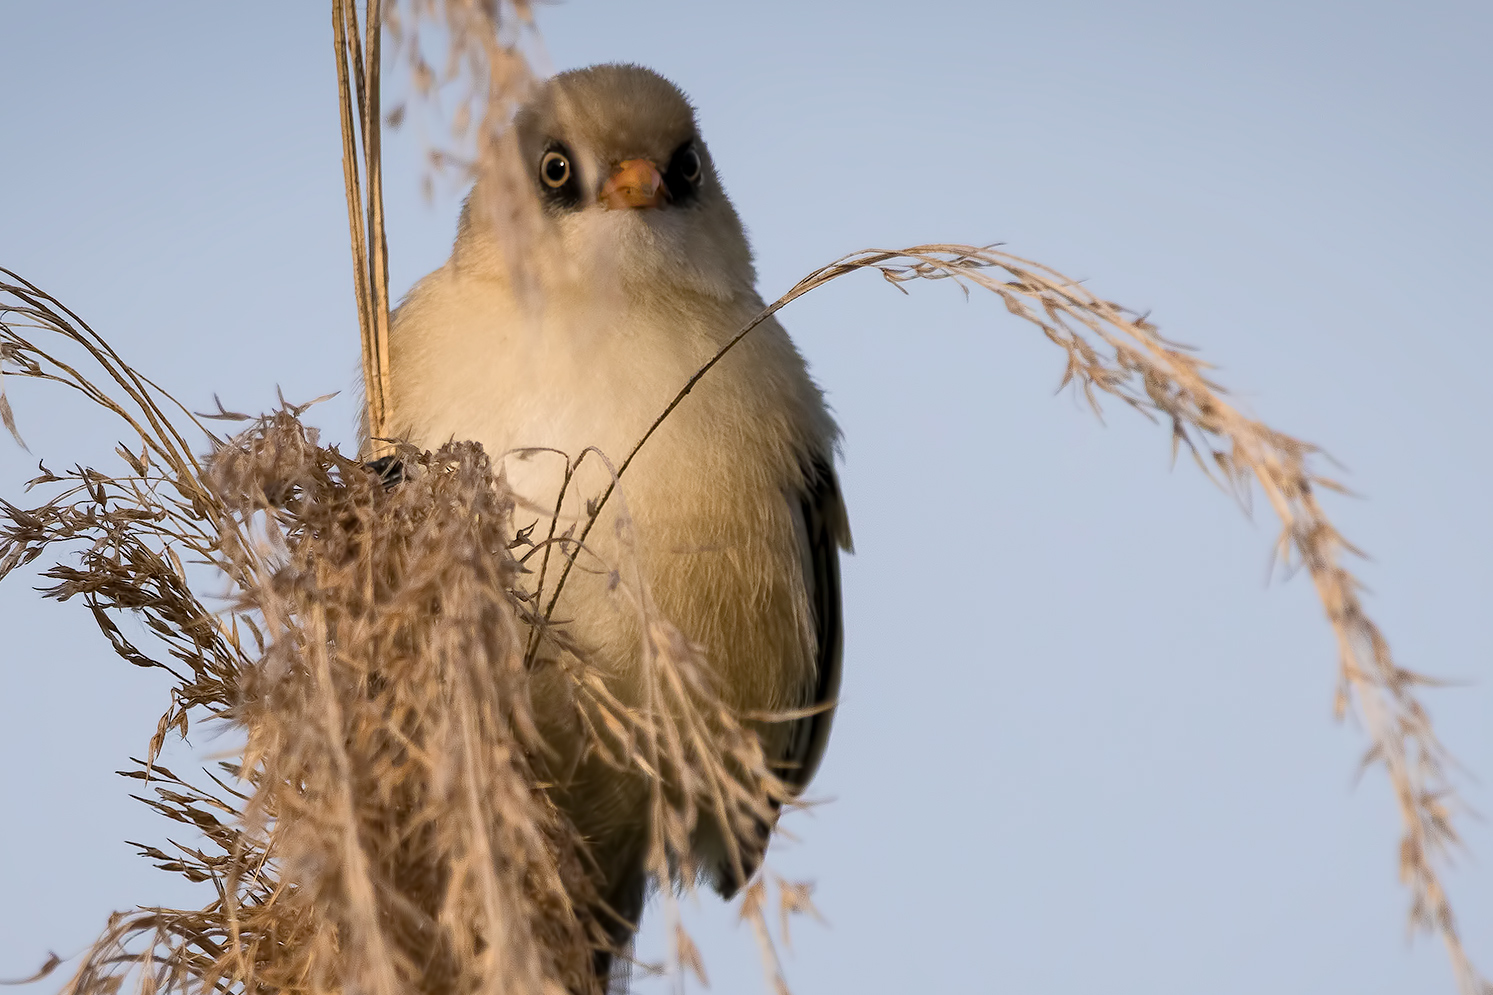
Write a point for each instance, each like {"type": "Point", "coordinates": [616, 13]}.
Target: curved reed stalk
{"type": "Point", "coordinates": [1111, 351]}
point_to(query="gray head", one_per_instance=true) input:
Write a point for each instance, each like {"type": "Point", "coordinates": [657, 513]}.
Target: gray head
{"type": "Point", "coordinates": [614, 159]}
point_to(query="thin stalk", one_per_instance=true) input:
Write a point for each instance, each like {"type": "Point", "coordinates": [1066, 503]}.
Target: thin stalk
{"type": "Point", "coordinates": [342, 47]}
{"type": "Point", "coordinates": [378, 243]}
{"type": "Point", "coordinates": [358, 82]}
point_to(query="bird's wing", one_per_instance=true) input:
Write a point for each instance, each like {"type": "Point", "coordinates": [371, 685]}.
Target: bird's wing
{"type": "Point", "coordinates": [823, 532]}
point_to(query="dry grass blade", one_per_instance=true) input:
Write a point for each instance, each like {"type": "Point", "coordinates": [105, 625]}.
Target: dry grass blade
{"type": "Point", "coordinates": [1113, 352]}
{"type": "Point", "coordinates": [387, 833]}
{"type": "Point", "coordinates": [392, 696]}
{"type": "Point", "coordinates": [388, 830]}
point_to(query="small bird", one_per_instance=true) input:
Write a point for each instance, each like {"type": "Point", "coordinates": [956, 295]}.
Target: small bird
{"type": "Point", "coordinates": [576, 331]}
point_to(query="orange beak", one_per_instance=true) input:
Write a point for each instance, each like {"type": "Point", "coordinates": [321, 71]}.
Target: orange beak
{"type": "Point", "coordinates": [634, 183]}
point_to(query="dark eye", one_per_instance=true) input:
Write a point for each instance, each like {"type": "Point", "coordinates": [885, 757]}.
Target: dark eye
{"type": "Point", "coordinates": [686, 171]}
{"type": "Point", "coordinates": [555, 169]}
{"type": "Point", "coordinates": [689, 165]}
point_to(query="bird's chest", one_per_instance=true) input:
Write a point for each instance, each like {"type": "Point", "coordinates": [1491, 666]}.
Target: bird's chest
{"type": "Point", "coordinates": [492, 375]}
{"type": "Point", "coordinates": [571, 398]}
{"type": "Point", "coordinates": [699, 530]}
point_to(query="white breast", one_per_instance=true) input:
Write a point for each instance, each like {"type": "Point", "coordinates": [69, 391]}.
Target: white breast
{"type": "Point", "coordinates": [713, 522]}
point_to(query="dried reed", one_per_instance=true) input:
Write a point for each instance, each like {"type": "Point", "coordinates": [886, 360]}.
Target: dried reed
{"type": "Point", "coordinates": [385, 829]}
{"type": "Point", "coordinates": [484, 63]}
{"type": "Point", "coordinates": [362, 126]}
{"type": "Point", "coordinates": [1113, 351]}
{"type": "Point", "coordinates": [386, 832]}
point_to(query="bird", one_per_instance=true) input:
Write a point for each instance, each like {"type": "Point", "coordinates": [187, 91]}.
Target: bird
{"type": "Point", "coordinates": [574, 330]}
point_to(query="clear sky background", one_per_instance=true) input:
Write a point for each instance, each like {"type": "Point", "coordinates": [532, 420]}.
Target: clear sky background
{"type": "Point", "coordinates": [1084, 745]}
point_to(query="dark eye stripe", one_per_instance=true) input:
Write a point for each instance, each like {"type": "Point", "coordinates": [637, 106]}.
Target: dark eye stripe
{"type": "Point", "coordinates": [685, 173]}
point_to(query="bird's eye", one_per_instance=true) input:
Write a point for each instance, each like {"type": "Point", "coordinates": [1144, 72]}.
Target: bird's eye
{"type": "Point", "coordinates": [689, 165]}
{"type": "Point", "coordinates": [555, 169]}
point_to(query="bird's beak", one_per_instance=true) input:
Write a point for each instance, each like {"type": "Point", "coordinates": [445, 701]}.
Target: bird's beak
{"type": "Point", "coordinates": [634, 183]}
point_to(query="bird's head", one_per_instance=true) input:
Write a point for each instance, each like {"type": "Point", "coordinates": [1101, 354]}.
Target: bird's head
{"type": "Point", "coordinates": [625, 184]}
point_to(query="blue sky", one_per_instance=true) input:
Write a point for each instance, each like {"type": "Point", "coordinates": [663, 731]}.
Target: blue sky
{"type": "Point", "coordinates": [1084, 743]}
